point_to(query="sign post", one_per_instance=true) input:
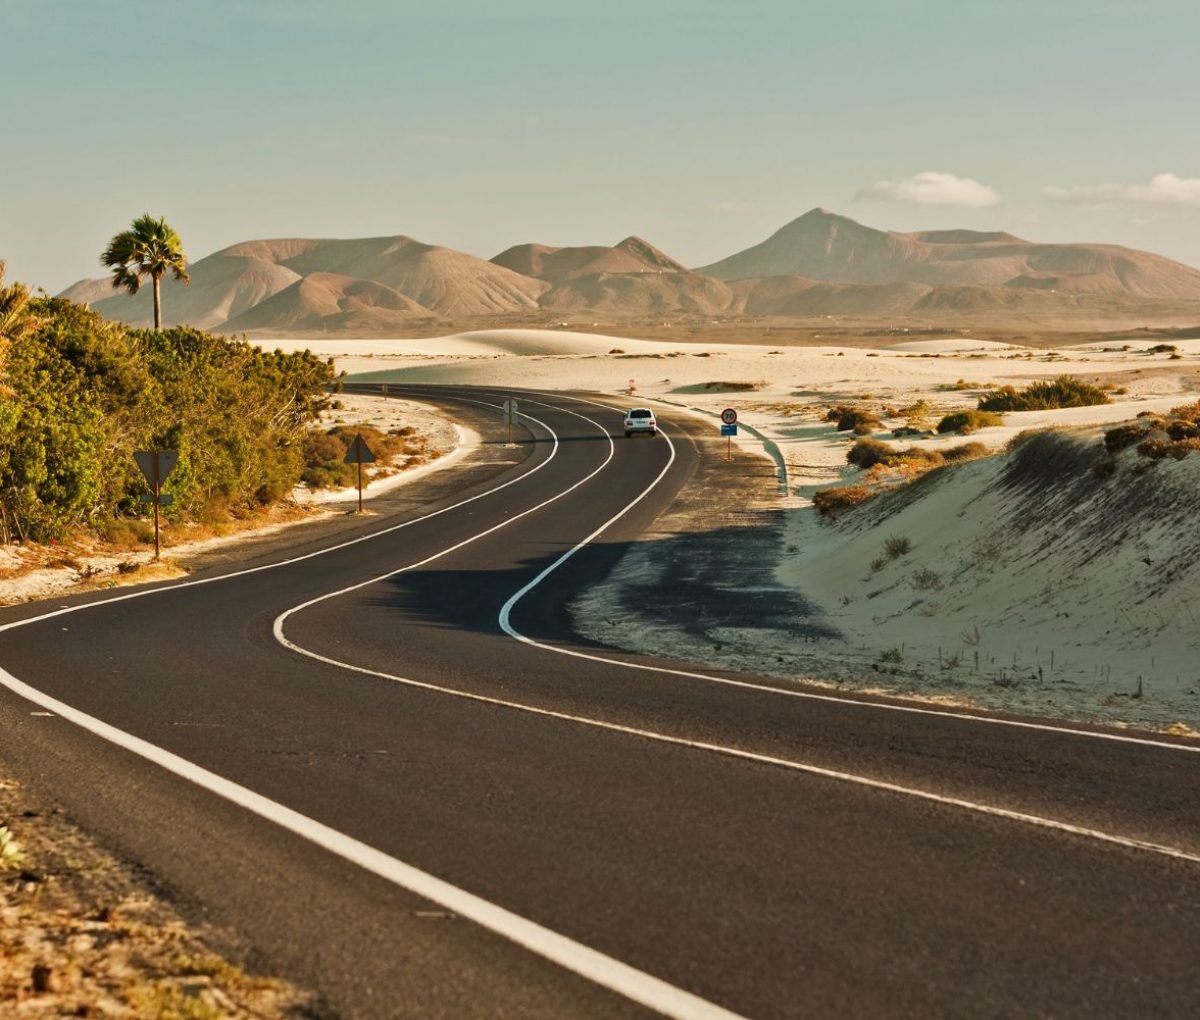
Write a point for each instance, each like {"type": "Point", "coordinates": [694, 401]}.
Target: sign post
{"type": "Point", "coordinates": [510, 416]}
{"type": "Point", "coordinates": [360, 454]}
{"type": "Point", "coordinates": [155, 466]}
{"type": "Point", "coordinates": [729, 430]}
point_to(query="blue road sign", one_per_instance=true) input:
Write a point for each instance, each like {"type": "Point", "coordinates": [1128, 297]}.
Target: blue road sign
{"type": "Point", "coordinates": [729, 430]}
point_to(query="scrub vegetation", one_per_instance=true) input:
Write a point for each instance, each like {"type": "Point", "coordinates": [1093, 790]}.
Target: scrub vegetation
{"type": "Point", "coordinates": [871, 453]}
{"type": "Point", "coordinates": [325, 464]}
{"type": "Point", "coordinates": [965, 422]}
{"type": "Point", "coordinates": [1174, 435]}
{"type": "Point", "coordinates": [79, 394]}
{"type": "Point", "coordinates": [1065, 391]}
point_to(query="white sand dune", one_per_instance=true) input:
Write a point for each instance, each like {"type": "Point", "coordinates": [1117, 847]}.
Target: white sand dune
{"type": "Point", "coordinates": [1030, 585]}
{"type": "Point", "coordinates": [951, 346]}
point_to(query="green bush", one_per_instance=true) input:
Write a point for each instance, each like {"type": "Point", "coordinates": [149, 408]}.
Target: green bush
{"type": "Point", "coordinates": [82, 394]}
{"type": "Point", "coordinates": [1065, 391]}
{"type": "Point", "coordinates": [965, 422]}
{"type": "Point", "coordinates": [324, 452]}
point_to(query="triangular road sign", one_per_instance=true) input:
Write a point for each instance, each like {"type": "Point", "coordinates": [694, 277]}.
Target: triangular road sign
{"type": "Point", "coordinates": [359, 452]}
{"type": "Point", "coordinates": [167, 459]}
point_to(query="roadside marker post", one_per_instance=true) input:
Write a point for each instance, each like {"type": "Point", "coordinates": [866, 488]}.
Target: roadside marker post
{"type": "Point", "coordinates": [729, 429]}
{"type": "Point", "coordinates": [510, 416]}
{"type": "Point", "coordinates": [155, 466]}
{"type": "Point", "coordinates": [360, 454]}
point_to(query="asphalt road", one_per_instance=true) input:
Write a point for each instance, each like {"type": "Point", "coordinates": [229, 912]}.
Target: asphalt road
{"type": "Point", "coordinates": [433, 818]}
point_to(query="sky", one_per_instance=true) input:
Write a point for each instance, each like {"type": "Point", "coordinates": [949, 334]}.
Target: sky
{"type": "Point", "coordinates": [701, 125]}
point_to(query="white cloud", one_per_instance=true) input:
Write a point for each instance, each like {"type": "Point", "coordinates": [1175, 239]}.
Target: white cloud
{"type": "Point", "coordinates": [1163, 189]}
{"type": "Point", "coordinates": [932, 188]}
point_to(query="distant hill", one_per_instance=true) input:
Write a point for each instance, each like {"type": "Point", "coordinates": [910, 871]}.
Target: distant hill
{"type": "Point", "coordinates": [821, 245]}
{"type": "Point", "coordinates": [230, 283]}
{"type": "Point", "coordinates": [639, 294]}
{"type": "Point", "coordinates": [819, 265]}
{"type": "Point", "coordinates": [223, 285]}
{"type": "Point", "coordinates": [556, 265]}
{"type": "Point", "coordinates": [324, 301]}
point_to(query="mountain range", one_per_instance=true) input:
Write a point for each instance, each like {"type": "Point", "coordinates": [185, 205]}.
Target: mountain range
{"type": "Point", "coordinates": [820, 264]}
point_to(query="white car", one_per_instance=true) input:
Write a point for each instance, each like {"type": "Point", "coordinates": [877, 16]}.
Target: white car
{"type": "Point", "coordinates": [640, 419]}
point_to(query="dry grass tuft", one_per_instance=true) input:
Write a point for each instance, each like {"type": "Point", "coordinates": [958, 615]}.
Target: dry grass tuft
{"type": "Point", "coordinates": [830, 502]}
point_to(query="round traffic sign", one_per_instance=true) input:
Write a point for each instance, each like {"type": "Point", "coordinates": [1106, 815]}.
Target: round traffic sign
{"type": "Point", "coordinates": [729, 416]}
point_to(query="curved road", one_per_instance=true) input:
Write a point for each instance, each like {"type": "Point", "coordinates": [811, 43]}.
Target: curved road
{"type": "Point", "coordinates": [380, 755]}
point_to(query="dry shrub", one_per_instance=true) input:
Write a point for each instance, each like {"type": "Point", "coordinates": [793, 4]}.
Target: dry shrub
{"type": "Point", "coordinates": [1065, 391]}
{"type": "Point", "coordinates": [1183, 430]}
{"type": "Point", "coordinates": [734, 387]}
{"type": "Point", "coordinates": [925, 579]}
{"type": "Point", "coordinates": [878, 457]}
{"type": "Point", "coordinates": [1021, 438]}
{"type": "Point", "coordinates": [1186, 412]}
{"type": "Point", "coordinates": [964, 422]}
{"type": "Point", "coordinates": [964, 451]}
{"type": "Point", "coordinates": [1157, 449]}
{"type": "Point", "coordinates": [831, 501]}
{"type": "Point", "coordinates": [1122, 436]}
{"type": "Point", "coordinates": [325, 452]}
{"type": "Point", "coordinates": [849, 417]}
{"type": "Point", "coordinates": [867, 453]}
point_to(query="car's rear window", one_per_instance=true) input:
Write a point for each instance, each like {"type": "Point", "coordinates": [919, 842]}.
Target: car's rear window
{"type": "Point", "coordinates": [640, 412]}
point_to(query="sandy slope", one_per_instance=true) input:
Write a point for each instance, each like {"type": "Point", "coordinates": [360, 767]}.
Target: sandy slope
{"type": "Point", "coordinates": [1031, 584]}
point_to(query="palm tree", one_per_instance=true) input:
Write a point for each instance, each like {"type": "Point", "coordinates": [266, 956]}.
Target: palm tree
{"type": "Point", "coordinates": [149, 247]}
{"type": "Point", "coordinates": [15, 318]}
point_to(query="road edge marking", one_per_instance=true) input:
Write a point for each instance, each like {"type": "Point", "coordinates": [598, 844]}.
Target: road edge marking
{"type": "Point", "coordinates": [597, 967]}
{"type": "Point", "coordinates": [506, 625]}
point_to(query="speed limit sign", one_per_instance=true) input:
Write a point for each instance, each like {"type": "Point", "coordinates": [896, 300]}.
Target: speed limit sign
{"type": "Point", "coordinates": [729, 416]}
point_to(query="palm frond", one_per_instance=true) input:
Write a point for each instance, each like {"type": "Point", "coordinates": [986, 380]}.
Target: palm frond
{"type": "Point", "coordinates": [16, 321]}
{"type": "Point", "coordinates": [150, 247]}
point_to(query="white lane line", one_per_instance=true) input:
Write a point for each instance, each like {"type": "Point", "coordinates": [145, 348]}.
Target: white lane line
{"type": "Point", "coordinates": [162, 589]}
{"type": "Point", "coordinates": [735, 752]}
{"type": "Point", "coordinates": [573, 956]}
{"type": "Point", "coordinates": [506, 624]}
{"type": "Point", "coordinates": [766, 759]}
{"type": "Point", "coordinates": [605, 971]}
{"type": "Point", "coordinates": [282, 617]}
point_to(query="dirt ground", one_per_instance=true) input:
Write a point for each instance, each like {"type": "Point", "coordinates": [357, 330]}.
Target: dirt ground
{"type": "Point", "coordinates": [84, 934]}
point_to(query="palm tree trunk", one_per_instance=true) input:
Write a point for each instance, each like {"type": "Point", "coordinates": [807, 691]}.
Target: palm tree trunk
{"type": "Point", "coordinates": [157, 301]}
